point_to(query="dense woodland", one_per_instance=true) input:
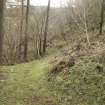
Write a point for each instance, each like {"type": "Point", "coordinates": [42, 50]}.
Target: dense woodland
{"type": "Point", "coordinates": [29, 30]}
{"type": "Point", "coordinates": [52, 55]}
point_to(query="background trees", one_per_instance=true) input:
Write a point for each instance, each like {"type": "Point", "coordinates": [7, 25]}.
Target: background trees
{"type": "Point", "coordinates": [29, 30]}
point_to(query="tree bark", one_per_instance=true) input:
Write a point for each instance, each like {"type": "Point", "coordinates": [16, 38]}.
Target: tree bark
{"type": "Point", "coordinates": [86, 27]}
{"type": "Point", "coordinates": [1, 28]}
{"type": "Point", "coordinates": [21, 29]}
{"type": "Point", "coordinates": [46, 27]}
{"type": "Point", "coordinates": [102, 17]}
{"type": "Point", "coordinates": [26, 32]}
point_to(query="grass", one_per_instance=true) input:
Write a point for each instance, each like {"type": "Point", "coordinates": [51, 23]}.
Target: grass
{"type": "Point", "coordinates": [22, 84]}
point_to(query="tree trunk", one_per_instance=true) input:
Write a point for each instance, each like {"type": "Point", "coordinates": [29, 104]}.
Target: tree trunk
{"type": "Point", "coordinates": [1, 28]}
{"type": "Point", "coordinates": [21, 29]}
{"type": "Point", "coordinates": [86, 27]}
{"type": "Point", "coordinates": [26, 32]}
{"type": "Point", "coordinates": [46, 27]}
{"type": "Point", "coordinates": [102, 17]}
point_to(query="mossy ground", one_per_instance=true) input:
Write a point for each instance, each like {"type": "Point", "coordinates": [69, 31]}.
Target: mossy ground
{"type": "Point", "coordinates": [83, 84]}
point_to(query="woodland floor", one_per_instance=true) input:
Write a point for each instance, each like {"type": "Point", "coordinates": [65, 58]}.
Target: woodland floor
{"type": "Point", "coordinates": [33, 84]}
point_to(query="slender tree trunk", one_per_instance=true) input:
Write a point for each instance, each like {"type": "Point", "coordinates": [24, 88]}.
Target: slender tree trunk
{"type": "Point", "coordinates": [1, 28]}
{"type": "Point", "coordinates": [26, 32]}
{"type": "Point", "coordinates": [46, 27]}
{"type": "Point", "coordinates": [40, 45]}
{"type": "Point", "coordinates": [21, 29]}
{"type": "Point", "coordinates": [86, 27]}
{"type": "Point", "coordinates": [102, 17]}
{"type": "Point", "coordinates": [40, 39]}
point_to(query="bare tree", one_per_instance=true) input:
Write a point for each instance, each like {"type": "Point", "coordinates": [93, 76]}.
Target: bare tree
{"type": "Point", "coordinates": [79, 17]}
{"type": "Point", "coordinates": [26, 32]}
{"type": "Point", "coordinates": [21, 28]}
{"type": "Point", "coordinates": [46, 27]}
{"type": "Point", "coordinates": [102, 16]}
{"type": "Point", "coordinates": [1, 28]}
{"type": "Point", "coordinates": [86, 27]}
{"type": "Point", "coordinates": [37, 28]}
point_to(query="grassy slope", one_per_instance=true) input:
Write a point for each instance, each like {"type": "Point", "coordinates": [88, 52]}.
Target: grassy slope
{"type": "Point", "coordinates": [83, 84]}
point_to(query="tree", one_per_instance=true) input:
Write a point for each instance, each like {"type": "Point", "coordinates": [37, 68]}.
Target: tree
{"type": "Point", "coordinates": [102, 16]}
{"type": "Point", "coordinates": [46, 27]}
{"type": "Point", "coordinates": [83, 17]}
{"type": "Point", "coordinates": [1, 28]}
{"type": "Point", "coordinates": [21, 28]}
{"type": "Point", "coordinates": [86, 27]}
{"type": "Point", "coordinates": [26, 32]}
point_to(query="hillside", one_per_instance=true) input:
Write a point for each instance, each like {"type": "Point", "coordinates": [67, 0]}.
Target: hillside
{"type": "Point", "coordinates": [49, 81]}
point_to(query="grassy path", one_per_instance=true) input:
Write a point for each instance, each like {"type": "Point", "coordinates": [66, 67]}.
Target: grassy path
{"type": "Point", "coordinates": [22, 84]}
